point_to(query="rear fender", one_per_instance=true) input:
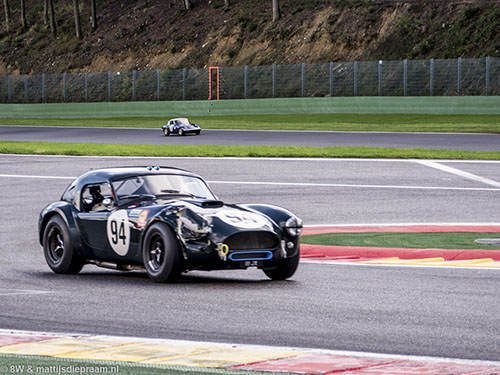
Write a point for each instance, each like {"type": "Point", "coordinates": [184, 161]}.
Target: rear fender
{"type": "Point", "coordinates": [65, 211]}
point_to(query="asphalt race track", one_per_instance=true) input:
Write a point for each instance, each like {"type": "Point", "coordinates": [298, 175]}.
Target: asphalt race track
{"type": "Point", "coordinates": [405, 310]}
{"type": "Point", "coordinates": [472, 142]}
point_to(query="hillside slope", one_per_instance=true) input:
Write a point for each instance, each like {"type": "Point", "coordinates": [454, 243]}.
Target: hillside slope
{"type": "Point", "coordinates": [151, 34]}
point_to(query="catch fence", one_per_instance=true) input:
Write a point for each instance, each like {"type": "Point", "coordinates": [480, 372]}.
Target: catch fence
{"type": "Point", "coordinates": [433, 77]}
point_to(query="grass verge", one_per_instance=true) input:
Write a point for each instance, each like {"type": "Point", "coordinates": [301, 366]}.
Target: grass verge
{"type": "Point", "coordinates": [449, 240]}
{"type": "Point", "coordinates": [299, 122]}
{"type": "Point", "coordinates": [103, 149]}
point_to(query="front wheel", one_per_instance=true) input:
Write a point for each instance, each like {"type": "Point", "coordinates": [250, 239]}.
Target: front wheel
{"type": "Point", "coordinates": [198, 132]}
{"type": "Point", "coordinates": [286, 268]}
{"type": "Point", "coordinates": [166, 132]}
{"type": "Point", "coordinates": [58, 249]}
{"type": "Point", "coordinates": [181, 132]}
{"type": "Point", "coordinates": [161, 254]}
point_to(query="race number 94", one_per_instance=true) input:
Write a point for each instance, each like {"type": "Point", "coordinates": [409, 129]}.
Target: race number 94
{"type": "Point", "coordinates": [118, 231]}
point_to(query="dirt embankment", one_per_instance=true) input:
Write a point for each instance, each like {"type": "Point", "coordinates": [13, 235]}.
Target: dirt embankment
{"type": "Point", "coordinates": [159, 34]}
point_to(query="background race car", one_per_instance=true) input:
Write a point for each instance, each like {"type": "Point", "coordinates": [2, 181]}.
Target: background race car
{"type": "Point", "coordinates": [181, 126]}
{"type": "Point", "coordinates": [165, 221]}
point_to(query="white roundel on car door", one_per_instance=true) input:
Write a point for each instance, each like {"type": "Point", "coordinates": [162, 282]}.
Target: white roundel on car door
{"type": "Point", "coordinates": [118, 230]}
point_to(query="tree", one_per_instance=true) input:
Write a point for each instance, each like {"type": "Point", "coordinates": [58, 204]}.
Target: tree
{"type": "Point", "coordinates": [78, 27]}
{"type": "Point", "coordinates": [45, 11]}
{"type": "Point", "coordinates": [7, 13]}
{"type": "Point", "coordinates": [52, 17]}
{"type": "Point", "coordinates": [276, 10]}
{"type": "Point", "coordinates": [226, 3]}
{"type": "Point", "coordinates": [93, 15]}
{"type": "Point", "coordinates": [187, 4]}
{"type": "Point", "coordinates": [23, 14]}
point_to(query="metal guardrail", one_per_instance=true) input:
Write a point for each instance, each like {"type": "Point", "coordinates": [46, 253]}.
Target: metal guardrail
{"type": "Point", "coordinates": [434, 77]}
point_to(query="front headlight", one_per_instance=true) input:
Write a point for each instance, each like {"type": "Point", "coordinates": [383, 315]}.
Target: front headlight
{"type": "Point", "coordinates": [293, 226]}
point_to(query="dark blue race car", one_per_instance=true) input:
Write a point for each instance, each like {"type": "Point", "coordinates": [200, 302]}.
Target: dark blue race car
{"type": "Point", "coordinates": [181, 126]}
{"type": "Point", "coordinates": [165, 221]}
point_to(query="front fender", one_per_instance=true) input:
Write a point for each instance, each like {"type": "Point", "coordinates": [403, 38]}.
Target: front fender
{"type": "Point", "coordinates": [278, 214]}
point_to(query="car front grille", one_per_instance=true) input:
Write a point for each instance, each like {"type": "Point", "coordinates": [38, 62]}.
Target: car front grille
{"type": "Point", "coordinates": [258, 240]}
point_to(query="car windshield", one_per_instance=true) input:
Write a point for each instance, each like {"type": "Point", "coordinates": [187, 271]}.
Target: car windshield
{"type": "Point", "coordinates": [183, 121]}
{"type": "Point", "coordinates": [162, 186]}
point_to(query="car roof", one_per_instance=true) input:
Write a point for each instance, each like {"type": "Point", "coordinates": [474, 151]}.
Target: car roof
{"type": "Point", "coordinates": [179, 118]}
{"type": "Point", "coordinates": [117, 173]}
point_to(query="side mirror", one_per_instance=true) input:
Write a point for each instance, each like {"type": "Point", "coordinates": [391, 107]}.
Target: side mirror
{"type": "Point", "coordinates": [107, 202]}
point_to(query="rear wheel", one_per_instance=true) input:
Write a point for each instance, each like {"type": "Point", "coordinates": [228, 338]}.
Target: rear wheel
{"type": "Point", "coordinates": [161, 254]}
{"type": "Point", "coordinates": [286, 268]}
{"type": "Point", "coordinates": [58, 249]}
{"type": "Point", "coordinates": [166, 132]}
{"type": "Point", "coordinates": [181, 132]}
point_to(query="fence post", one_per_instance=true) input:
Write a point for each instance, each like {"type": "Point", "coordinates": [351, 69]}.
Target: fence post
{"type": "Point", "coordinates": [134, 74]}
{"type": "Point", "coordinates": [487, 75]}
{"type": "Point", "coordinates": [184, 76]}
{"type": "Point", "coordinates": [86, 86]}
{"type": "Point", "coordinates": [44, 99]}
{"type": "Point", "coordinates": [405, 77]}
{"type": "Point", "coordinates": [355, 78]}
{"type": "Point", "coordinates": [431, 78]}
{"type": "Point", "coordinates": [303, 80]}
{"type": "Point", "coordinates": [26, 88]}
{"type": "Point", "coordinates": [331, 79]}
{"type": "Point", "coordinates": [64, 87]}
{"type": "Point", "coordinates": [158, 84]}
{"type": "Point", "coordinates": [110, 92]}
{"type": "Point", "coordinates": [9, 88]}
{"type": "Point", "coordinates": [459, 76]}
{"type": "Point", "coordinates": [274, 80]}
{"type": "Point", "coordinates": [380, 78]}
{"type": "Point", "coordinates": [245, 84]}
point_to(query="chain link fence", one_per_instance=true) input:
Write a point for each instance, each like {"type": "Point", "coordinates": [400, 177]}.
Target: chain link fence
{"type": "Point", "coordinates": [434, 77]}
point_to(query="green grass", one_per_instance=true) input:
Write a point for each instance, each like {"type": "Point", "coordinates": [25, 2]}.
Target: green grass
{"type": "Point", "coordinates": [100, 149]}
{"type": "Point", "coordinates": [299, 122]}
{"type": "Point", "coordinates": [27, 365]}
{"type": "Point", "coordinates": [451, 240]}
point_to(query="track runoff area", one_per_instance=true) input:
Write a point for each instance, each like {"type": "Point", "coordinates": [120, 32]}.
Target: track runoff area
{"type": "Point", "coordinates": [82, 354]}
{"type": "Point", "coordinates": [469, 178]}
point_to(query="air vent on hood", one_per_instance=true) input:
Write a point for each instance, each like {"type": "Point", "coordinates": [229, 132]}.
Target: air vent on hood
{"type": "Point", "coordinates": [209, 203]}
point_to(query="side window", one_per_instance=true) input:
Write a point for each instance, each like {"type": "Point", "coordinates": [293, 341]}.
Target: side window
{"type": "Point", "coordinates": [93, 197]}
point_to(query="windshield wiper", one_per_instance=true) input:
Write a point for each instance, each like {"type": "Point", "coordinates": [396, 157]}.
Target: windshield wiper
{"type": "Point", "coordinates": [135, 196]}
{"type": "Point", "coordinates": [173, 192]}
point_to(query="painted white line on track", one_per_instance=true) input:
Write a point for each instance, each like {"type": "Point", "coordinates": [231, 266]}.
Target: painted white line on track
{"type": "Point", "coordinates": [351, 185]}
{"type": "Point", "coordinates": [296, 184]}
{"type": "Point", "coordinates": [129, 339]}
{"type": "Point", "coordinates": [17, 292]}
{"type": "Point", "coordinates": [458, 172]}
{"type": "Point", "coordinates": [335, 263]}
{"type": "Point", "coordinates": [251, 158]}
{"type": "Point", "coordinates": [39, 177]}
{"type": "Point", "coordinates": [398, 224]}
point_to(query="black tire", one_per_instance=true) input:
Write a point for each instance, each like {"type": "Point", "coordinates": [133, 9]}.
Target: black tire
{"type": "Point", "coordinates": [198, 132]}
{"type": "Point", "coordinates": [286, 268]}
{"type": "Point", "coordinates": [161, 254]}
{"type": "Point", "coordinates": [182, 132]}
{"type": "Point", "coordinates": [58, 248]}
{"type": "Point", "coordinates": [166, 132]}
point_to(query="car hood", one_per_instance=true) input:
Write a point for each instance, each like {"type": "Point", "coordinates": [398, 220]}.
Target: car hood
{"type": "Point", "coordinates": [199, 218]}
{"type": "Point", "coordinates": [189, 126]}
